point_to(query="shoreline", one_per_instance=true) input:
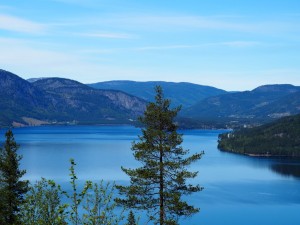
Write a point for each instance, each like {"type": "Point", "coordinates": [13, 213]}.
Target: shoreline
{"type": "Point", "coordinates": [252, 155]}
{"type": "Point", "coordinates": [102, 124]}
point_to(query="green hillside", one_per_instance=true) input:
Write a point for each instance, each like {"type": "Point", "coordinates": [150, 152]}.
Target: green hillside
{"type": "Point", "coordinates": [280, 138]}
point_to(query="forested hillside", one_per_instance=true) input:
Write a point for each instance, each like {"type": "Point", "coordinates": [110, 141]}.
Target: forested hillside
{"type": "Point", "coordinates": [280, 138]}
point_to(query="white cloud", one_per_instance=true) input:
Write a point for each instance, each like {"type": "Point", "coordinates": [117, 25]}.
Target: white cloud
{"type": "Point", "coordinates": [179, 22]}
{"type": "Point", "coordinates": [12, 23]}
{"type": "Point", "coordinates": [241, 44]}
{"type": "Point", "coordinates": [166, 47]}
{"type": "Point", "coordinates": [22, 57]}
{"type": "Point", "coordinates": [108, 35]}
{"type": "Point", "coordinates": [186, 22]}
{"type": "Point", "coordinates": [234, 44]}
{"type": "Point", "coordinates": [76, 2]}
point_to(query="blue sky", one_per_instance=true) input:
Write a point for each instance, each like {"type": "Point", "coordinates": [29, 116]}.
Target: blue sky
{"type": "Point", "coordinates": [229, 44]}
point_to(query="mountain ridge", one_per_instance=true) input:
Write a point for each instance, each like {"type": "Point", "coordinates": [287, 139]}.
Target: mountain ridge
{"type": "Point", "coordinates": [262, 104]}
{"type": "Point", "coordinates": [62, 100]}
{"type": "Point", "coordinates": [180, 93]}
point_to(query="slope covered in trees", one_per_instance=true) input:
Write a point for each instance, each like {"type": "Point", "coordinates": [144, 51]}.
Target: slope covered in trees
{"type": "Point", "coordinates": [280, 138]}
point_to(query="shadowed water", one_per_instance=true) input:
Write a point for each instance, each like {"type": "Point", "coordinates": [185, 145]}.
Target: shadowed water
{"type": "Point", "coordinates": [238, 190]}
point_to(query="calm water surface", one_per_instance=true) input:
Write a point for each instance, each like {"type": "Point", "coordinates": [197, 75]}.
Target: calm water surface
{"type": "Point", "coordinates": [238, 190]}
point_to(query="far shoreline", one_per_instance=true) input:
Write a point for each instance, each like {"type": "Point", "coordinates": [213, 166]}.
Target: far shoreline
{"type": "Point", "coordinates": [264, 156]}
{"type": "Point", "coordinates": [105, 124]}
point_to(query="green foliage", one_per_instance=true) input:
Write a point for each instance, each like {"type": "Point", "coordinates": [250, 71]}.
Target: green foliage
{"type": "Point", "coordinates": [12, 188]}
{"type": "Point", "coordinates": [93, 205]}
{"type": "Point", "coordinates": [76, 198]}
{"type": "Point", "coordinates": [96, 201]}
{"type": "Point", "coordinates": [100, 206]}
{"type": "Point", "coordinates": [280, 138]}
{"type": "Point", "coordinates": [43, 205]}
{"type": "Point", "coordinates": [158, 185]}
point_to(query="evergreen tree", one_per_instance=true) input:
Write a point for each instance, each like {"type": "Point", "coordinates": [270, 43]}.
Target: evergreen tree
{"type": "Point", "coordinates": [158, 185]}
{"type": "Point", "coordinates": [131, 219]}
{"type": "Point", "coordinates": [12, 188]}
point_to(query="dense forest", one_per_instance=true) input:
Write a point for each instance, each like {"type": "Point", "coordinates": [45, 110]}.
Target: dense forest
{"type": "Point", "coordinates": [280, 138]}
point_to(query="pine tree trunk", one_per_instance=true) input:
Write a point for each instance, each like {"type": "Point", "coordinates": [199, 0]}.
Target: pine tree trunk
{"type": "Point", "coordinates": [161, 187]}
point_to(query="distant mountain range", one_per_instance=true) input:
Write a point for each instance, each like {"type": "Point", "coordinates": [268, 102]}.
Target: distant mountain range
{"type": "Point", "coordinates": [58, 100]}
{"type": "Point", "coordinates": [205, 106]}
{"type": "Point", "coordinates": [260, 105]}
{"type": "Point", "coordinates": [185, 94]}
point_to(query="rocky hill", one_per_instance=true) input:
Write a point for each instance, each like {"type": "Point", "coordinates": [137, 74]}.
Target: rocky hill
{"type": "Point", "coordinates": [185, 94]}
{"type": "Point", "coordinates": [57, 100]}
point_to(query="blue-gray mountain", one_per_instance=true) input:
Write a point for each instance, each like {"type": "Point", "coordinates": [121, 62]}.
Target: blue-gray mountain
{"type": "Point", "coordinates": [260, 105]}
{"type": "Point", "coordinates": [57, 100]}
{"type": "Point", "coordinates": [185, 94]}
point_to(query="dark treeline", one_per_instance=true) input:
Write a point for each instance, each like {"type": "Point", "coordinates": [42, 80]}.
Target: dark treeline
{"type": "Point", "coordinates": [279, 138]}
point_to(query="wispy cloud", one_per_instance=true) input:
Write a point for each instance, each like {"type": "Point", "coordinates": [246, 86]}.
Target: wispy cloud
{"type": "Point", "coordinates": [233, 44]}
{"type": "Point", "coordinates": [241, 44]}
{"type": "Point", "coordinates": [108, 35]}
{"type": "Point", "coordinates": [196, 22]}
{"type": "Point", "coordinates": [166, 47]}
{"type": "Point", "coordinates": [177, 21]}
{"type": "Point", "coordinates": [16, 24]}
{"type": "Point", "coordinates": [164, 22]}
{"type": "Point", "coordinates": [77, 2]}
{"type": "Point", "coordinates": [22, 57]}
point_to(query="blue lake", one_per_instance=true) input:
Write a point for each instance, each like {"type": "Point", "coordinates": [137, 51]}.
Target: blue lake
{"type": "Point", "coordinates": [238, 190]}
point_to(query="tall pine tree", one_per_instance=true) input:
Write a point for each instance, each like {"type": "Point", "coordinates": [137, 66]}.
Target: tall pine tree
{"type": "Point", "coordinates": [158, 185]}
{"type": "Point", "coordinates": [12, 188]}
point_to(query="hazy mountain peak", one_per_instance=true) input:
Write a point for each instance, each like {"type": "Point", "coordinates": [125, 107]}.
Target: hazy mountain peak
{"type": "Point", "coordinates": [277, 88]}
{"type": "Point", "coordinates": [54, 83]}
{"type": "Point", "coordinates": [31, 80]}
{"type": "Point", "coordinates": [181, 93]}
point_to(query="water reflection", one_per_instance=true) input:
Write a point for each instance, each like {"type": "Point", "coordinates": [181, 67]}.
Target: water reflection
{"type": "Point", "coordinates": [287, 170]}
{"type": "Point", "coordinates": [287, 167]}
